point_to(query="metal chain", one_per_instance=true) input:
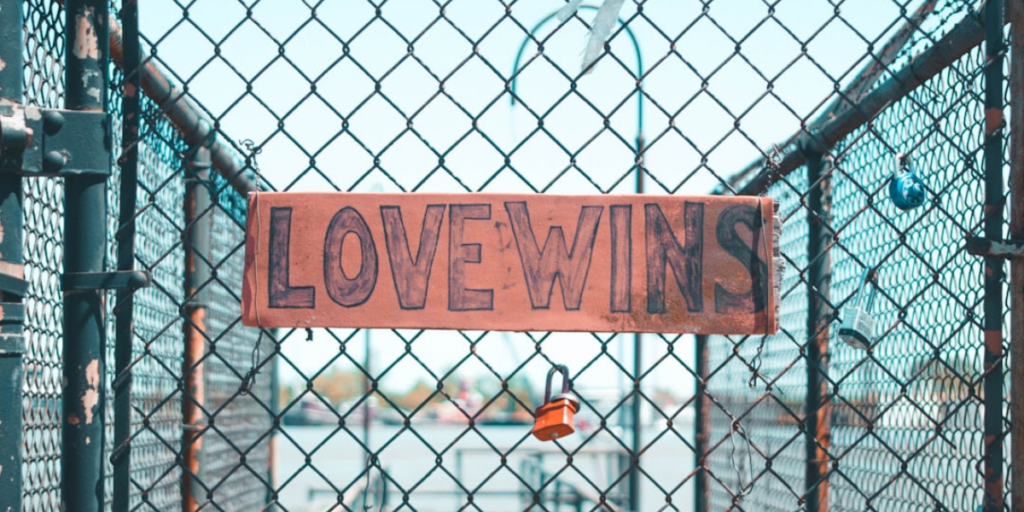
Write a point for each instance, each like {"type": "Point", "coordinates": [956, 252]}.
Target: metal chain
{"type": "Point", "coordinates": [371, 463]}
{"type": "Point", "coordinates": [744, 489]}
{"type": "Point", "coordinates": [773, 166]}
{"type": "Point", "coordinates": [249, 380]}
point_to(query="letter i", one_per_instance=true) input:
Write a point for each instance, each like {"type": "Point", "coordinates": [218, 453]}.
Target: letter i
{"type": "Point", "coordinates": [622, 256]}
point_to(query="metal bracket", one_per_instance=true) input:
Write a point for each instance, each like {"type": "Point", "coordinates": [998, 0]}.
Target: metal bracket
{"type": "Point", "coordinates": [13, 285]}
{"type": "Point", "coordinates": [91, 281]}
{"type": "Point", "coordinates": [1007, 249]}
{"type": "Point", "coordinates": [12, 318]}
{"type": "Point", "coordinates": [12, 313]}
{"type": "Point", "coordinates": [53, 142]}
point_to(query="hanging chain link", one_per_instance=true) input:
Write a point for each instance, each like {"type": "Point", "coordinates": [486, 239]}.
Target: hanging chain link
{"type": "Point", "coordinates": [249, 379]}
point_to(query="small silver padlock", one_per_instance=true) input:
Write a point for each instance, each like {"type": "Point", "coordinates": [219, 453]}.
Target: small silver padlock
{"type": "Point", "coordinates": [858, 327]}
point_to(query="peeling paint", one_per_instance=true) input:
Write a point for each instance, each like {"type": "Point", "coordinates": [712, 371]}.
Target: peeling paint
{"type": "Point", "coordinates": [86, 43]}
{"type": "Point", "coordinates": [92, 394]}
{"type": "Point", "coordinates": [12, 269]}
{"type": "Point", "coordinates": [94, 92]}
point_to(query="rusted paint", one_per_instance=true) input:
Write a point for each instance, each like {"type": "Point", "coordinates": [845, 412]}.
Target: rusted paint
{"type": "Point", "coordinates": [197, 240]}
{"type": "Point", "coordinates": [1015, 13]}
{"type": "Point", "coordinates": [12, 269]}
{"type": "Point", "coordinates": [993, 120]}
{"type": "Point", "coordinates": [73, 419]}
{"type": "Point", "coordinates": [86, 44]}
{"type": "Point", "coordinates": [92, 394]}
{"type": "Point", "coordinates": [192, 411]}
{"type": "Point", "coordinates": [605, 263]}
{"type": "Point", "coordinates": [994, 342]}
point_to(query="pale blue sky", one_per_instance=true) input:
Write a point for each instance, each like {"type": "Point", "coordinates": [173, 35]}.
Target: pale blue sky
{"type": "Point", "coordinates": [374, 121]}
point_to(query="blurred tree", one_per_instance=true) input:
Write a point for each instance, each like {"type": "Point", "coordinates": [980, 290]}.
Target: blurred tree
{"type": "Point", "coordinates": [338, 386]}
{"type": "Point", "coordinates": [419, 393]}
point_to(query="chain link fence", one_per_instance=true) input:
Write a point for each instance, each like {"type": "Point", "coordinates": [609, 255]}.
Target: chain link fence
{"type": "Point", "coordinates": [490, 96]}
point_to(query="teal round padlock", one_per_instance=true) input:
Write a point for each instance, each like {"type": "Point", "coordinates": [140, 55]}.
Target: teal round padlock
{"type": "Point", "coordinates": [906, 188]}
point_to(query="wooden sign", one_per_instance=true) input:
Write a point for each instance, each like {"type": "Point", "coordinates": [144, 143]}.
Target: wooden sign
{"type": "Point", "coordinates": [512, 262]}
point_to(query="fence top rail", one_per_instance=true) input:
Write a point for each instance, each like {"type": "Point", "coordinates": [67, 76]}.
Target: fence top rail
{"type": "Point", "coordinates": [830, 128]}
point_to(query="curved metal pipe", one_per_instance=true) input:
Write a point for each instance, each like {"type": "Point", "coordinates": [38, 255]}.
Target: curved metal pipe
{"type": "Point", "coordinates": [639, 63]}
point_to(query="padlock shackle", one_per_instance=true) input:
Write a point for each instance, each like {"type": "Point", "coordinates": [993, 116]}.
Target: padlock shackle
{"type": "Point", "coordinates": [564, 370]}
{"type": "Point", "coordinates": [902, 165]}
{"type": "Point", "coordinates": [869, 275]}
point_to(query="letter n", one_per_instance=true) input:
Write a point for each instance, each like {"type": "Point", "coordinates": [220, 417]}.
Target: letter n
{"type": "Point", "coordinates": [664, 249]}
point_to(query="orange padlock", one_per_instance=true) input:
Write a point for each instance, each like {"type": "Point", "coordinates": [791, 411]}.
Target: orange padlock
{"type": "Point", "coordinates": [554, 419]}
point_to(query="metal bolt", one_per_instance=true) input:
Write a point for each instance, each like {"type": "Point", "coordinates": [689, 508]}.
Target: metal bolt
{"type": "Point", "coordinates": [53, 121]}
{"type": "Point", "coordinates": [54, 161]}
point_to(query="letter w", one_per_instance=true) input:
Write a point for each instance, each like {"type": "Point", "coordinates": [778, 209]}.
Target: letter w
{"type": "Point", "coordinates": [542, 266]}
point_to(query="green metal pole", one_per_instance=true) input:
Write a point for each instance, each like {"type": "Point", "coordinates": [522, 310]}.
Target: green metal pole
{"type": "Point", "coordinates": [995, 202]}
{"type": "Point", "coordinates": [701, 424]}
{"type": "Point", "coordinates": [818, 407]}
{"type": "Point", "coordinates": [12, 342]}
{"type": "Point", "coordinates": [85, 241]}
{"type": "Point", "coordinates": [125, 304]}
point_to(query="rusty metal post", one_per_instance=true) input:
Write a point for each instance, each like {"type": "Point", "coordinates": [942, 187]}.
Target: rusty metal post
{"type": "Point", "coordinates": [701, 425]}
{"type": "Point", "coordinates": [1016, 15]}
{"type": "Point", "coordinates": [12, 274]}
{"type": "Point", "coordinates": [818, 412]}
{"type": "Point", "coordinates": [85, 242]}
{"type": "Point", "coordinates": [197, 242]}
{"type": "Point", "coordinates": [993, 302]}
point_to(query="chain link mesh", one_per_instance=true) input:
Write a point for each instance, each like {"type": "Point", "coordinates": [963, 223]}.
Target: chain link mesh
{"type": "Point", "coordinates": [43, 204]}
{"type": "Point", "coordinates": [906, 425]}
{"type": "Point", "coordinates": [421, 95]}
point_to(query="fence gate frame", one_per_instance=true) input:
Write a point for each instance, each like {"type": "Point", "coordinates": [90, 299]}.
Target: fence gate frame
{"type": "Point", "coordinates": [74, 143]}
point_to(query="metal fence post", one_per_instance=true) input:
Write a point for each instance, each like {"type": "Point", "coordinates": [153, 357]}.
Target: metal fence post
{"type": "Point", "coordinates": [125, 303]}
{"type": "Point", "coordinates": [198, 232]}
{"type": "Point", "coordinates": [12, 273]}
{"type": "Point", "coordinates": [818, 412]}
{"type": "Point", "coordinates": [635, 447]}
{"type": "Point", "coordinates": [275, 407]}
{"type": "Point", "coordinates": [993, 302]}
{"type": "Point", "coordinates": [635, 405]}
{"type": "Point", "coordinates": [701, 425]}
{"type": "Point", "coordinates": [85, 240]}
{"type": "Point", "coordinates": [1016, 15]}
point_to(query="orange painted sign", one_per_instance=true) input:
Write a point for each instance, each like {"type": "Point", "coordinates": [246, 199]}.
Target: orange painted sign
{"type": "Point", "coordinates": [511, 262]}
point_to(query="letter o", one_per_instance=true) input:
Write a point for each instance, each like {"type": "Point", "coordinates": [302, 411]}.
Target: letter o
{"type": "Point", "coordinates": [342, 290]}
